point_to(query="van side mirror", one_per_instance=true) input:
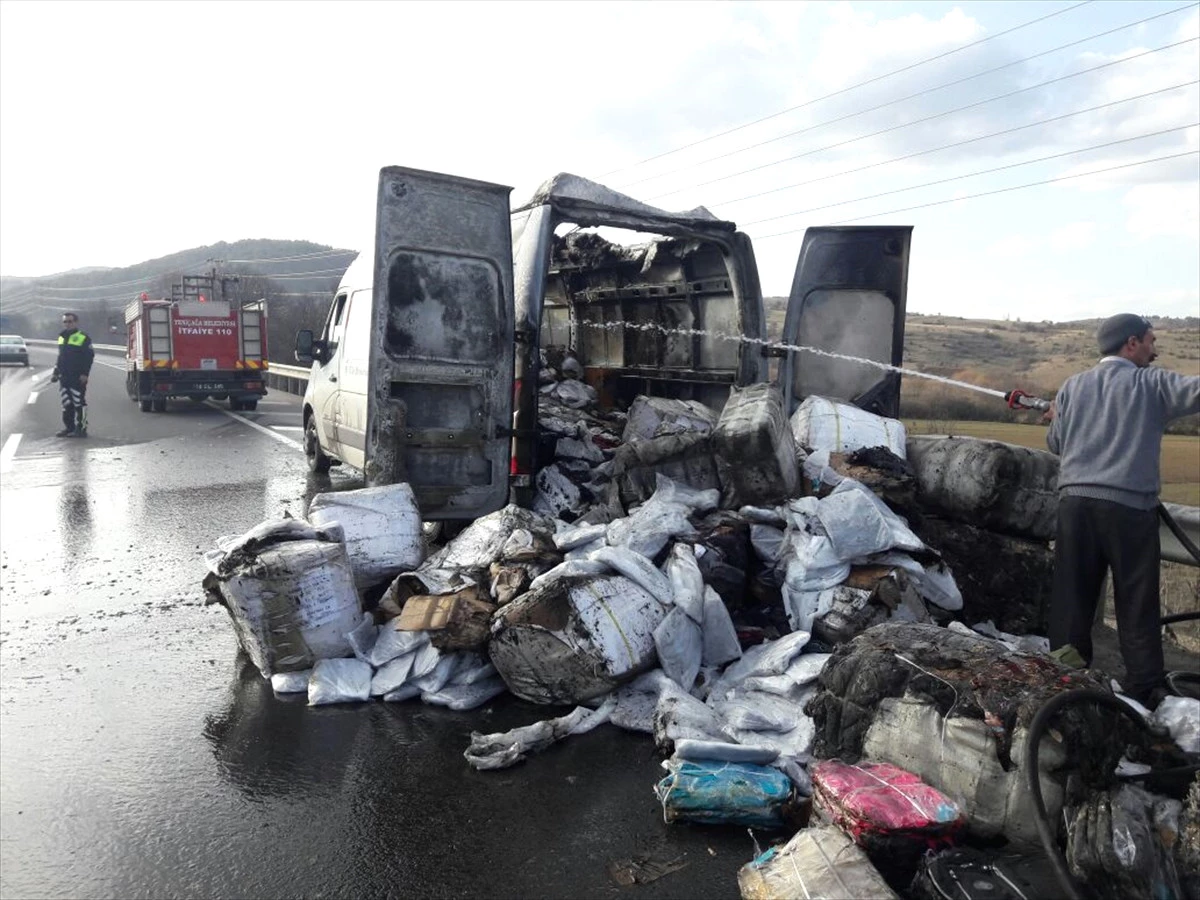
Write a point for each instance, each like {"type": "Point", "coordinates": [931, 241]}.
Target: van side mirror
{"type": "Point", "coordinates": [304, 347]}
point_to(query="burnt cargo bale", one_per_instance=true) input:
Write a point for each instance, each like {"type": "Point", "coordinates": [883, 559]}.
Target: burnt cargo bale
{"type": "Point", "coordinates": [685, 458]}
{"type": "Point", "coordinates": [998, 486]}
{"type": "Point", "coordinates": [955, 709]}
{"type": "Point", "coordinates": [756, 453]}
{"type": "Point", "coordinates": [575, 638]}
{"type": "Point", "coordinates": [1005, 579]}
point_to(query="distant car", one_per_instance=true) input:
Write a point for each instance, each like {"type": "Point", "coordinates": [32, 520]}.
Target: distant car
{"type": "Point", "coordinates": [13, 349]}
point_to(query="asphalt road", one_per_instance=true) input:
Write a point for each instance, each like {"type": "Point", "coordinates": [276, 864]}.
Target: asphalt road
{"type": "Point", "coordinates": [141, 757]}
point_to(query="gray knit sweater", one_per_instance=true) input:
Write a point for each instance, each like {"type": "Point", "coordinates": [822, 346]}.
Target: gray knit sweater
{"type": "Point", "coordinates": [1108, 429]}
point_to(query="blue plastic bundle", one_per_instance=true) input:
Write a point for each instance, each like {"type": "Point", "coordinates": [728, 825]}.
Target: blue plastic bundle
{"type": "Point", "coordinates": [724, 793]}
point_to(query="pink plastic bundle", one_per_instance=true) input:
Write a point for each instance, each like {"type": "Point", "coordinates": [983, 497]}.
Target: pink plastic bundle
{"type": "Point", "coordinates": [879, 799]}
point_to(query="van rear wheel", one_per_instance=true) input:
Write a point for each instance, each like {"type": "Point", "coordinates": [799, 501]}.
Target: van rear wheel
{"type": "Point", "coordinates": [317, 460]}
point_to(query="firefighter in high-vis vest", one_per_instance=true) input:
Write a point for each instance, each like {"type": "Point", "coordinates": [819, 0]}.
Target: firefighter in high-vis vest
{"type": "Point", "coordinates": [71, 371]}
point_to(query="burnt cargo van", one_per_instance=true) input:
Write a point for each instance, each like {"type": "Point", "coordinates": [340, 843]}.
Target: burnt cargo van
{"type": "Point", "coordinates": [427, 368]}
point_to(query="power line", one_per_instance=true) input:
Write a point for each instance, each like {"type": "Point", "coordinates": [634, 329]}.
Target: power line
{"type": "Point", "coordinates": [1016, 165]}
{"type": "Point", "coordinates": [913, 96]}
{"type": "Point", "coordinates": [1016, 187]}
{"type": "Point", "coordinates": [930, 118]}
{"type": "Point", "coordinates": [844, 90]}
{"type": "Point", "coordinates": [314, 255]}
{"type": "Point", "coordinates": [962, 143]}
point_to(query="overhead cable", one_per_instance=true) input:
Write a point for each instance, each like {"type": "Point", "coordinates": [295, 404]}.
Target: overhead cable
{"type": "Point", "coordinates": [1016, 187]}
{"type": "Point", "coordinates": [921, 93]}
{"type": "Point", "coordinates": [934, 116]}
{"type": "Point", "coordinates": [962, 143]}
{"type": "Point", "coordinates": [1016, 165]}
{"type": "Point", "coordinates": [919, 63]}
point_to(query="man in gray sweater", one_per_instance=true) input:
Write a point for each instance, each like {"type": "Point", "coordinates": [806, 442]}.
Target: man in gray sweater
{"type": "Point", "coordinates": [1106, 426]}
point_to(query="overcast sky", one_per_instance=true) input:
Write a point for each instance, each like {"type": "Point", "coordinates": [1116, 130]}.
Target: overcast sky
{"type": "Point", "coordinates": [132, 130]}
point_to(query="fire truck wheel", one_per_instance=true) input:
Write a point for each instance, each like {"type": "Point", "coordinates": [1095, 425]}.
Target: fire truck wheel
{"type": "Point", "coordinates": [146, 405]}
{"type": "Point", "coordinates": [249, 405]}
{"type": "Point", "coordinates": [160, 404]}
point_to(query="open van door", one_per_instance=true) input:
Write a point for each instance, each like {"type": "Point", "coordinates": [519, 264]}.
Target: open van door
{"type": "Point", "coordinates": [439, 398]}
{"type": "Point", "coordinates": [848, 297]}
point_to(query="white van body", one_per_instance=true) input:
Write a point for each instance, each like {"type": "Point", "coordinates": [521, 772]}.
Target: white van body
{"type": "Point", "coordinates": [337, 386]}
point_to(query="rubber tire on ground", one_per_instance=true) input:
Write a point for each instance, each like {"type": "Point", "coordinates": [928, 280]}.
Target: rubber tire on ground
{"type": "Point", "coordinates": [236, 405]}
{"type": "Point", "coordinates": [249, 405]}
{"type": "Point", "coordinates": [146, 404]}
{"type": "Point", "coordinates": [317, 460]}
{"type": "Point", "coordinates": [159, 404]}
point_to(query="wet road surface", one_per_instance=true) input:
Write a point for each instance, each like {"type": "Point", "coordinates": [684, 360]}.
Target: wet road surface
{"type": "Point", "coordinates": [142, 758]}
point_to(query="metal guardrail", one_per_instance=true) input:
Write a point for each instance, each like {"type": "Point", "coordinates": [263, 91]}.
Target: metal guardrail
{"type": "Point", "coordinates": [290, 379]}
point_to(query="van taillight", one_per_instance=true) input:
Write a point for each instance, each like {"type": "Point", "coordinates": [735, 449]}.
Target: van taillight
{"type": "Point", "coordinates": [514, 465]}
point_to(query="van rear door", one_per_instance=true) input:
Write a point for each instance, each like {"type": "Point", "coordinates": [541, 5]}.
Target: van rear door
{"type": "Point", "coordinates": [848, 297]}
{"type": "Point", "coordinates": [439, 397]}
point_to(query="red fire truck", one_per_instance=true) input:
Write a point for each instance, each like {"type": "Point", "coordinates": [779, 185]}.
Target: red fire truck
{"type": "Point", "coordinates": [197, 348]}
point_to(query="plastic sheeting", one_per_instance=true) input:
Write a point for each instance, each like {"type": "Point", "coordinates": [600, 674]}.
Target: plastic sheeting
{"type": "Point", "coordinates": [1180, 716]}
{"type": "Point", "coordinates": [499, 751]}
{"type": "Point", "coordinates": [339, 681]}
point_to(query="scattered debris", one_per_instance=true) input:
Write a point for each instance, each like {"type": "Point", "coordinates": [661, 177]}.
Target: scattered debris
{"type": "Point", "coordinates": [809, 616]}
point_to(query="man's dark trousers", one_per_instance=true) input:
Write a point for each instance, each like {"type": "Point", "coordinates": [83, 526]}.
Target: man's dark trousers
{"type": "Point", "coordinates": [74, 403]}
{"type": "Point", "coordinates": [1095, 535]}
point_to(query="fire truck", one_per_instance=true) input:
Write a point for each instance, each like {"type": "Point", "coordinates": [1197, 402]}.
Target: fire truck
{"type": "Point", "coordinates": [193, 346]}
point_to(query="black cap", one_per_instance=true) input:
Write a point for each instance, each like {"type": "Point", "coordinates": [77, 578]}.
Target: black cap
{"type": "Point", "coordinates": [1116, 330]}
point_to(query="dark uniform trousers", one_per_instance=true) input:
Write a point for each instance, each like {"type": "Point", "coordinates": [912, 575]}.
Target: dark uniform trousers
{"type": "Point", "coordinates": [1095, 535]}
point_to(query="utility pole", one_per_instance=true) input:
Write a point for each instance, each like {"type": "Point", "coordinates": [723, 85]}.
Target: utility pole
{"type": "Point", "coordinates": [222, 279]}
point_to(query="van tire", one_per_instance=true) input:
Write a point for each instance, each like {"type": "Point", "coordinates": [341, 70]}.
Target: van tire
{"type": "Point", "coordinates": [318, 462]}
{"type": "Point", "coordinates": [249, 405]}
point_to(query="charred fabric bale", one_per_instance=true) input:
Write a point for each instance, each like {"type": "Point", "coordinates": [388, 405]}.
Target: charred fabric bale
{"type": "Point", "coordinates": [885, 473]}
{"type": "Point", "coordinates": [997, 486]}
{"type": "Point", "coordinates": [1187, 845]}
{"type": "Point", "coordinates": [725, 562]}
{"type": "Point", "coordinates": [1001, 578]}
{"type": "Point", "coordinates": [961, 675]}
{"type": "Point", "coordinates": [756, 453]}
{"type": "Point", "coordinates": [685, 457]}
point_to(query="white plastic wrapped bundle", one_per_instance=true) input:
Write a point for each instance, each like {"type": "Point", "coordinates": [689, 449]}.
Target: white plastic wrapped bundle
{"type": "Point", "coordinates": [292, 601]}
{"type": "Point", "coordinates": [822, 424]}
{"type": "Point", "coordinates": [382, 527]}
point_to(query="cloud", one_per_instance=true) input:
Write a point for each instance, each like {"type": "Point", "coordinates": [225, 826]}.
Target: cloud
{"type": "Point", "coordinates": [1010, 247]}
{"type": "Point", "coordinates": [1075, 236]}
{"type": "Point", "coordinates": [1163, 210]}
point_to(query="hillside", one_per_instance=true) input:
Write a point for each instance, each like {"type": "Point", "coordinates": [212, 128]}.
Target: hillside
{"type": "Point", "coordinates": [275, 267]}
{"type": "Point", "coordinates": [1033, 356]}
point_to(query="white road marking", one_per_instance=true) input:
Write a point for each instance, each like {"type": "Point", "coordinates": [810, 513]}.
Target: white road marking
{"type": "Point", "coordinates": [264, 429]}
{"type": "Point", "coordinates": [120, 368]}
{"type": "Point", "coordinates": [288, 427]}
{"type": "Point", "coordinates": [10, 450]}
{"type": "Point", "coordinates": [45, 373]}
{"type": "Point", "coordinates": [33, 395]}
